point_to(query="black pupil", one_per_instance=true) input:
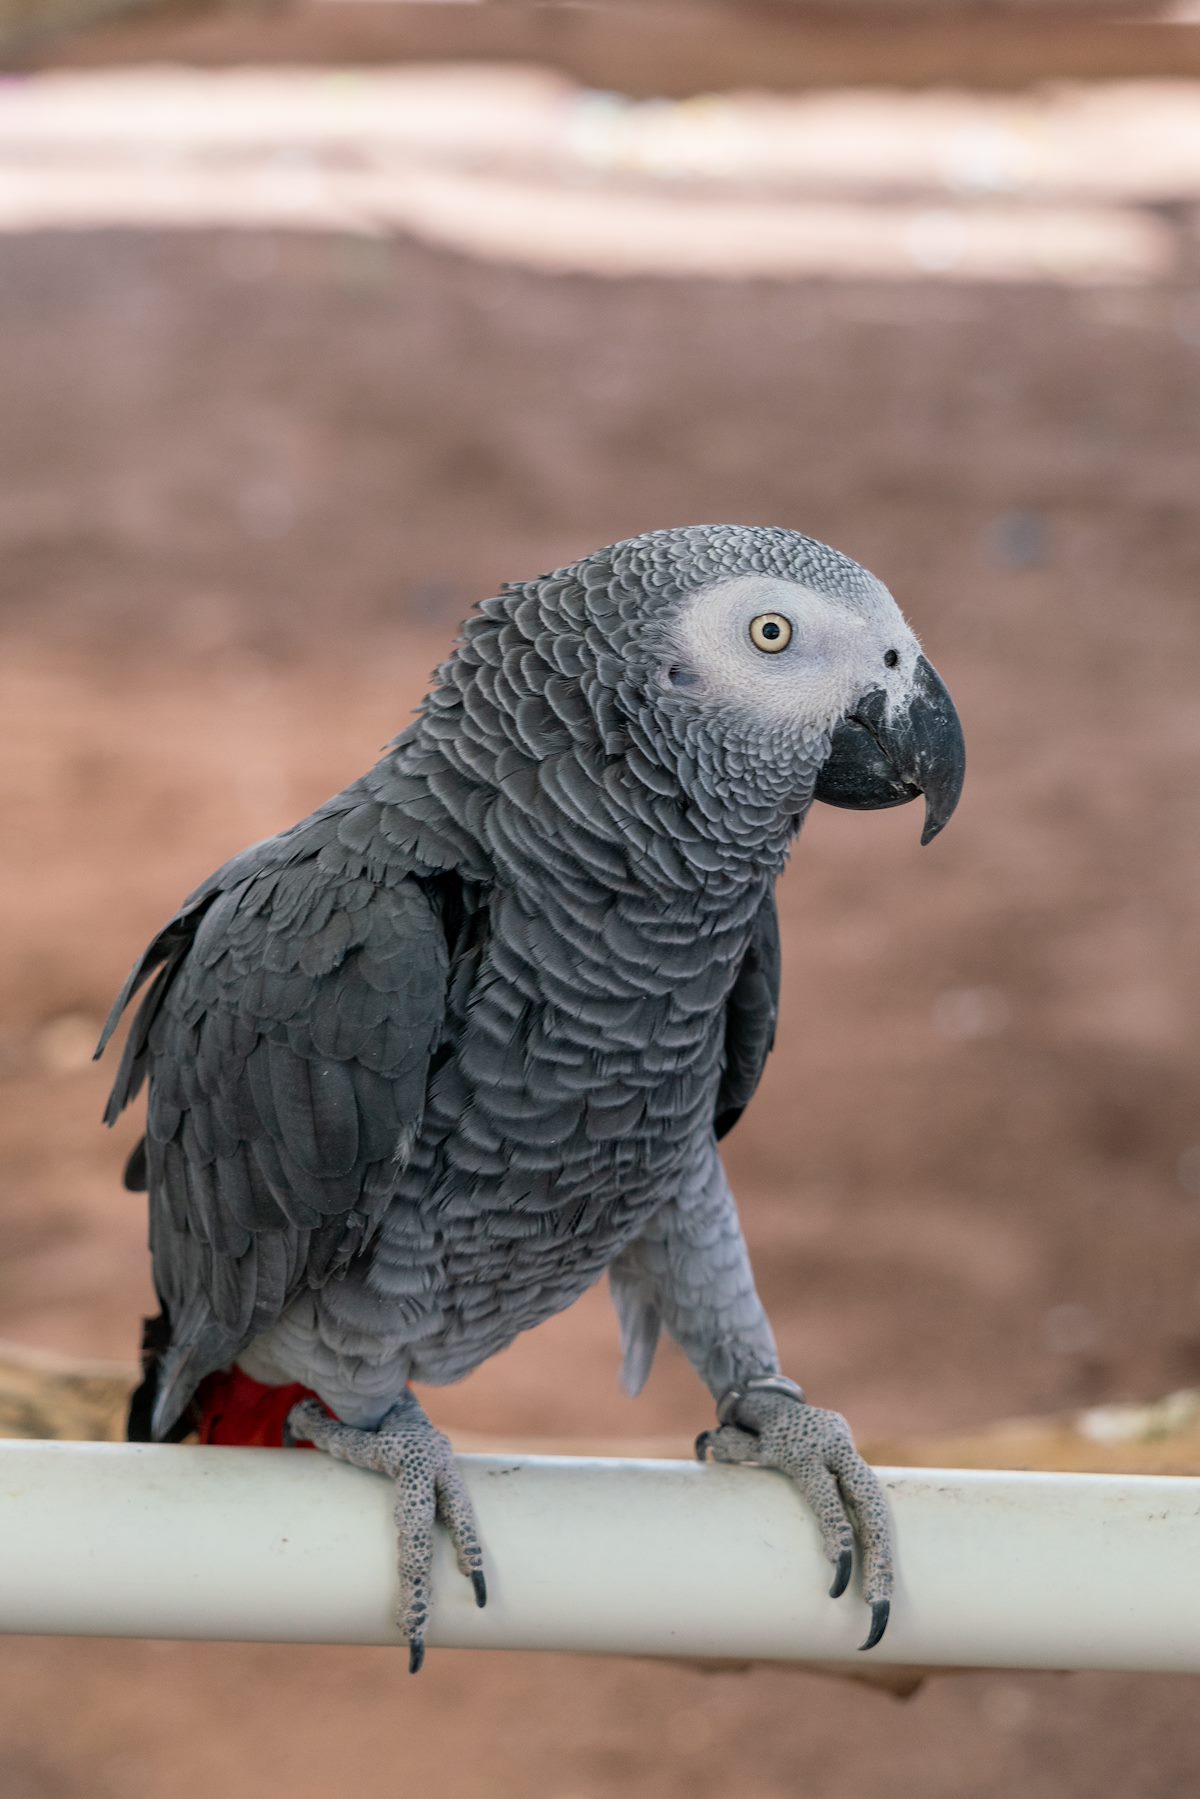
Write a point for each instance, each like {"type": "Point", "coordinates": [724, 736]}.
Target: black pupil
{"type": "Point", "coordinates": [891, 658]}
{"type": "Point", "coordinates": [770, 632]}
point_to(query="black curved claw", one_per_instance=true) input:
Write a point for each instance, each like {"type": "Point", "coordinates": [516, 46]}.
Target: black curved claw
{"type": "Point", "coordinates": [841, 1575]}
{"type": "Point", "coordinates": [416, 1655]}
{"type": "Point", "coordinates": [480, 1586]}
{"type": "Point", "coordinates": [880, 1612]}
{"type": "Point", "coordinates": [701, 1445]}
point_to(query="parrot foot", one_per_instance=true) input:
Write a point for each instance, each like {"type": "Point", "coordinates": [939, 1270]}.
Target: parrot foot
{"type": "Point", "coordinates": [429, 1487]}
{"type": "Point", "coordinates": [777, 1429]}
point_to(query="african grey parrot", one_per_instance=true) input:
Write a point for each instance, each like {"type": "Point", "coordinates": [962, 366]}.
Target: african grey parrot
{"type": "Point", "coordinates": [426, 1065]}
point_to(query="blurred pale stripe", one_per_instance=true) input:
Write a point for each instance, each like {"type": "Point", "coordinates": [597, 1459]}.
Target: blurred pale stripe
{"type": "Point", "coordinates": [1116, 142]}
{"type": "Point", "coordinates": [1062, 185]}
{"type": "Point", "coordinates": [615, 234]}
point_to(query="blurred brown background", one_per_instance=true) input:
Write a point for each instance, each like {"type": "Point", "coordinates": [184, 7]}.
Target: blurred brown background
{"type": "Point", "coordinates": [292, 369]}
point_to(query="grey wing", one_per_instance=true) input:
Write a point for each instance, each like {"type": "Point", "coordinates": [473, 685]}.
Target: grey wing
{"type": "Point", "coordinates": [750, 1018]}
{"type": "Point", "coordinates": [751, 1014]}
{"type": "Point", "coordinates": [286, 1043]}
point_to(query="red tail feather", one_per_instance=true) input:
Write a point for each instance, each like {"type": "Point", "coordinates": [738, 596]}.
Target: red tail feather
{"type": "Point", "coordinates": [236, 1411]}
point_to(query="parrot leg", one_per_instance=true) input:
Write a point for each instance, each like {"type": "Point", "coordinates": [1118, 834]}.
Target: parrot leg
{"type": "Point", "coordinates": [770, 1425]}
{"type": "Point", "coordinates": [429, 1487]}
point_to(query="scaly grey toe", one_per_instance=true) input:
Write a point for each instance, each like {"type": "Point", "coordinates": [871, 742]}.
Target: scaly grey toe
{"type": "Point", "coordinates": [429, 1489]}
{"type": "Point", "coordinates": [814, 1449]}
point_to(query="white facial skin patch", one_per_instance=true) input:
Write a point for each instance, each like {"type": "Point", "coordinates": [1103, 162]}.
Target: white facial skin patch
{"type": "Point", "coordinates": [836, 651]}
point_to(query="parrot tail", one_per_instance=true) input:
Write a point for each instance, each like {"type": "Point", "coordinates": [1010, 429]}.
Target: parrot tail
{"type": "Point", "coordinates": [233, 1410]}
{"type": "Point", "coordinates": [227, 1408]}
{"type": "Point", "coordinates": [156, 1338]}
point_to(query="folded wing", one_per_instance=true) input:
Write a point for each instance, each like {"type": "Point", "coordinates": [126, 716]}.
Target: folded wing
{"type": "Point", "coordinates": [285, 1039]}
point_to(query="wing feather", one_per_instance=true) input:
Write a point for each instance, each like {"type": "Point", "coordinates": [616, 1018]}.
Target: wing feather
{"type": "Point", "coordinates": [750, 1018]}
{"type": "Point", "coordinates": [286, 1037]}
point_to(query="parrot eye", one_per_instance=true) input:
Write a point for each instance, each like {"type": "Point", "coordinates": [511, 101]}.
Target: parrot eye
{"type": "Point", "coordinates": [771, 632]}
{"type": "Point", "coordinates": [890, 658]}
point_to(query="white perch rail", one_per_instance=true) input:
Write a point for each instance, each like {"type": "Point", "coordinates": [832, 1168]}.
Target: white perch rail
{"type": "Point", "coordinates": [619, 1557]}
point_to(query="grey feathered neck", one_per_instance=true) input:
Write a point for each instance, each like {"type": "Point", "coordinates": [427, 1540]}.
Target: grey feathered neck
{"type": "Point", "coordinates": [548, 728]}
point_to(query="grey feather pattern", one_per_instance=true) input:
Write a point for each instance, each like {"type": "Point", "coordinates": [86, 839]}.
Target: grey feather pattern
{"type": "Point", "coordinates": [288, 1039]}
{"type": "Point", "coordinates": [423, 1067]}
{"type": "Point", "coordinates": [750, 1018]}
{"type": "Point", "coordinates": [639, 1321]}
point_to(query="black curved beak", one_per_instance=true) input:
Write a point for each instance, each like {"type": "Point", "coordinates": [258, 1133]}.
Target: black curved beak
{"type": "Point", "coordinates": [877, 760]}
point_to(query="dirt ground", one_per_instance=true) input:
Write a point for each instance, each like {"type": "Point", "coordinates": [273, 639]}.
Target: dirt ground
{"type": "Point", "coordinates": [247, 486]}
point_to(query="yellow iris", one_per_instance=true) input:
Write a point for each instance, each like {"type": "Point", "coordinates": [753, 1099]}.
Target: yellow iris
{"type": "Point", "coordinates": [771, 632]}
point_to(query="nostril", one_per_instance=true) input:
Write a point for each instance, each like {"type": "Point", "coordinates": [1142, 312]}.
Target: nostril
{"type": "Point", "coordinates": [890, 658]}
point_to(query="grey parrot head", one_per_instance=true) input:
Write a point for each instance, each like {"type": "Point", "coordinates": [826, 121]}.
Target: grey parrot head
{"type": "Point", "coordinates": [781, 667]}
{"type": "Point", "coordinates": [678, 701]}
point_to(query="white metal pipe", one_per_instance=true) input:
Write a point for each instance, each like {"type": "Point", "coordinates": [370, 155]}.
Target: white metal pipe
{"type": "Point", "coordinates": [644, 1558]}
